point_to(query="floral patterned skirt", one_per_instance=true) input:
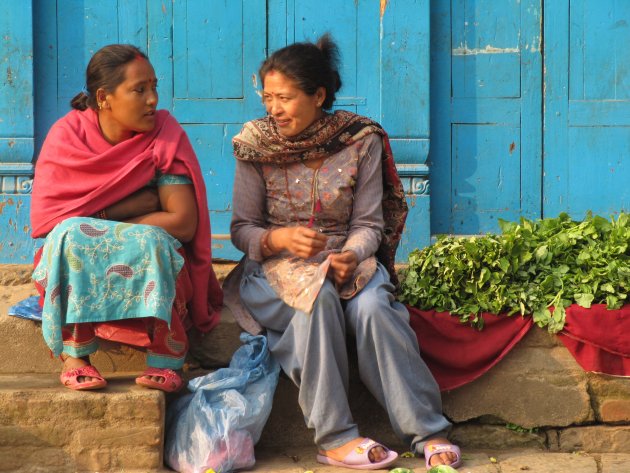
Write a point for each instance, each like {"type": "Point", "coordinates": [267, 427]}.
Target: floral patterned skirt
{"type": "Point", "coordinates": [96, 270]}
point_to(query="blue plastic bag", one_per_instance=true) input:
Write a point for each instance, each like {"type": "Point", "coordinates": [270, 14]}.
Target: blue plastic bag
{"type": "Point", "coordinates": [217, 426]}
{"type": "Point", "coordinates": [27, 309]}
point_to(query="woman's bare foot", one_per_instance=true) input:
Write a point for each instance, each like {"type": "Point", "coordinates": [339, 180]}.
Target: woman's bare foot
{"type": "Point", "coordinates": [445, 458]}
{"type": "Point", "coordinates": [376, 454]}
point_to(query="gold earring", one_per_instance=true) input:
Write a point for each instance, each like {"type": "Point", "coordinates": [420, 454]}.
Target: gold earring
{"type": "Point", "coordinates": [100, 106]}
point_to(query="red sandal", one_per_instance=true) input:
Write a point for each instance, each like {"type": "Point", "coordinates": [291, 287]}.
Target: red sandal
{"type": "Point", "coordinates": [70, 379]}
{"type": "Point", "coordinates": [172, 381]}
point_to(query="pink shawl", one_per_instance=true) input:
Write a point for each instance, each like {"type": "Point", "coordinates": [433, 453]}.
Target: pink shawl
{"type": "Point", "coordinates": [79, 173]}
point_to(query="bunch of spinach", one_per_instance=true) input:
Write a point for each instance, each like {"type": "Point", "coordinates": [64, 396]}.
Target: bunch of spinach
{"type": "Point", "coordinates": [535, 268]}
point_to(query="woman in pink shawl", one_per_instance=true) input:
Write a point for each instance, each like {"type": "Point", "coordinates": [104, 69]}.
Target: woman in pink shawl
{"type": "Point", "coordinates": [119, 197]}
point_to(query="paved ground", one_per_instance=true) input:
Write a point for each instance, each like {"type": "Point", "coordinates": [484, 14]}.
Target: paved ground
{"type": "Point", "coordinates": [302, 459]}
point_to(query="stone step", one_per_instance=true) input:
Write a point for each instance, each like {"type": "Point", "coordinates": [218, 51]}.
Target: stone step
{"type": "Point", "coordinates": [536, 398]}
{"type": "Point", "coordinates": [45, 427]}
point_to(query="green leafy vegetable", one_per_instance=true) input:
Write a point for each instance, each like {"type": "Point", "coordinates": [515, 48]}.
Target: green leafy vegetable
{"type": "Point", "coordinates": [535, 268]}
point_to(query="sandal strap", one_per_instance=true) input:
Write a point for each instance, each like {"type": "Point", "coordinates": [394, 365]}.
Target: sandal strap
{"type": "Point", "coordinates": [437, 448]}
{"type": "Point", "coordinates": [368, 444]}
{"type": "Point", "coordinates": [87, 370]}
{"type": "Point", "coordinates": [165, 373]}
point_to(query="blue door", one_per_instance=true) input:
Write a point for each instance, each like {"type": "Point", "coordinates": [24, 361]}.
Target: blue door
{"type": "Point", "coordinates": [385, 74]}
{"type": "Point", "coordinates": [207, 52]}
{"type": "Point", "coordinates": [486, 123]}
{"type": "Point", "coordinates": [587, 107]}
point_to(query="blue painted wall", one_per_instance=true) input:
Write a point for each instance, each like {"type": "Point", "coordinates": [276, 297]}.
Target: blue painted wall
{"type": "Point", "coordinates": [16, 130]}
{"type": "Point", "coordinates": [504, 124]}
{"type": "Point", "coordinates": [206, 55]}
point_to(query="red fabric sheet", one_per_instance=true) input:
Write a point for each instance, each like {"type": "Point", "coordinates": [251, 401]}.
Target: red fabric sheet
{"type": "Point", "coordinates": [456, 353]}
{"type": "Point", "coordinates": [598, 338]}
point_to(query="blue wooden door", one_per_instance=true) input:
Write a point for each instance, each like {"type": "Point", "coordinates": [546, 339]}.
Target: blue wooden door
{"type": "Point", "coordinates": [587, 107]}
{"type": "Point", "coordinates": [385, 73]}
{"type": "Point", "coordinates": [486, 123]}
{"type": "Point", "coordinates": [206, 54]}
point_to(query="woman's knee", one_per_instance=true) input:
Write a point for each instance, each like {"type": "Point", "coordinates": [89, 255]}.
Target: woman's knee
{"type": "Point", "coordinates": [370, 301]}
{"type": "Point", "coordinates": [328, 304]}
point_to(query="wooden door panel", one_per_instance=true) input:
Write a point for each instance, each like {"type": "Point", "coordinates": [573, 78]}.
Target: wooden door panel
{"type": "Point", "coordinates": [599, 170]}
{"type": "Point", "coordinates": [599, 68]}
{"type": "Point", "coordinates": [208, 50]}
{"type": "Point", "coordinates": [213, 145]}
{"type": "Point", "coordinates": [486, 175]}
{"type": "Point", "coordinates": [486, 146]}
{"type": "Point", "coordinates": [587, 107]}
{"type": "Point", "coordinates": [217, 49]}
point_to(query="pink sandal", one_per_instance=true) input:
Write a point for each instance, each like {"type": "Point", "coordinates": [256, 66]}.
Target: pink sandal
{"type": "Point", "coordinates": [358, 458]}
{"type": "Point", "coordinates": [437, 448]}
{"type": "Point", "coordinates": [172, 381]}
{"type": "Point", "coordinates": [70, 379]}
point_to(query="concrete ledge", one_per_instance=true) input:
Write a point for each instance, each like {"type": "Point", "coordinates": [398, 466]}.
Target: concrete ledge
{"type": "Point", "coordinates": [299, 459]}
{"type": "Point", "coordinates": [15, 274]}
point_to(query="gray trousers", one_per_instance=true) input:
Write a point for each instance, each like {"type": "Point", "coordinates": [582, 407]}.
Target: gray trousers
{"type": "Point", "coordinates": [312, 352]}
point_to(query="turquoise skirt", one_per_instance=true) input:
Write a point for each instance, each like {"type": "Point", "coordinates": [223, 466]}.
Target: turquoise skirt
{"type": "Point", "coordinates": [99, 270]}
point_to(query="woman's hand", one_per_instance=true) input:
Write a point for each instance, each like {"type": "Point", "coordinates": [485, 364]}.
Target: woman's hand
{"type": "Point", "coordinates": [300, 241]}
{"type": "Point", "coordinates": [343, 266]}
{"type": "Point", "coordinates": [142, 202]}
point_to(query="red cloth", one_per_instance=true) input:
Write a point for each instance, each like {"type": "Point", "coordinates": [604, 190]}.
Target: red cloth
{"type": "Point", "coordinates": [456, 353]}
{"type": "Point", "coordinates": [79, 173]}
{"type": "Point", "coordinates": [598, 338]}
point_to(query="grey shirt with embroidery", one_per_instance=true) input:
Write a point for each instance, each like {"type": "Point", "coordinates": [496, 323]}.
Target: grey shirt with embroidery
{"type": "Point", "coordinates": [349, 186]}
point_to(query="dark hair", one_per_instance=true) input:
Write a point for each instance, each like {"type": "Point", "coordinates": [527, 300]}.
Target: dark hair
{"type": "Point", "coordinates": [105, 70]}
{"type": "Point", "coordinates": [310, 65]}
